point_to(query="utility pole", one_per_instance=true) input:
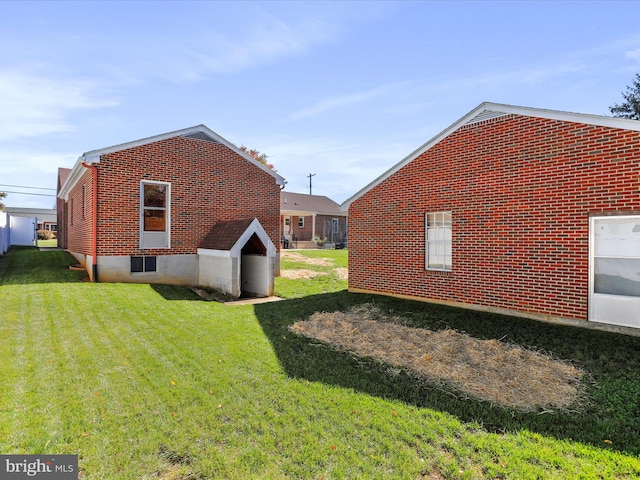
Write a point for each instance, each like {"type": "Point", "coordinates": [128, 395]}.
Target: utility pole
{"type": "Point", "coordinates": [310, 175]}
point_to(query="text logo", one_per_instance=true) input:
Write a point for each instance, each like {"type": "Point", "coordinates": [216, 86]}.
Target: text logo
{"type": "Point", "coordinates": [45, 467]}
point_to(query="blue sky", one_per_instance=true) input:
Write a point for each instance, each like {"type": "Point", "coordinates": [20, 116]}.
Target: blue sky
{"type": "Point", "coordinates": [343, 90]}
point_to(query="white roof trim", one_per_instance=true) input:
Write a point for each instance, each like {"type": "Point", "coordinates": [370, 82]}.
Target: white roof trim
{"type": "Point", "coordinates": [72, 179]}
{"type": "Point", "coordinates": [486, 111]}
{"type": "Point", "coordinates": [254, 227]}
{"type": "Point", "coordinates": [300, 213]}
{"type": "Point", "coordinates": [93, 156]}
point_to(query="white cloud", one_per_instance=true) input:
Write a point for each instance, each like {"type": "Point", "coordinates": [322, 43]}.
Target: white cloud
{"type": "Point", "coordinates": [342, 167]}
{"type": "Point", "coordinates": [633, 54]}
{"type": "Point", "coordinates": [193, 57]}
{"type": "Point", "coordinates": [336, 102]}
{"type": "Point", "coordinates": [34, 103]}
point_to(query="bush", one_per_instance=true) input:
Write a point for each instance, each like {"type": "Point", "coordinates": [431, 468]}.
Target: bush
{"type": "Point", "coordinates": [46, 235]}
{"type": "Point", "coordinates": [320, 241]}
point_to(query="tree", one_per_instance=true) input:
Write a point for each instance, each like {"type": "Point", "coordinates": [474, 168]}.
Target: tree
{"type": "Point", "coordinates": [256, 155]}
{"type": "Point", "coordinates": [631, 106]}
{"type": "Point", "coordinates": [2, 195]}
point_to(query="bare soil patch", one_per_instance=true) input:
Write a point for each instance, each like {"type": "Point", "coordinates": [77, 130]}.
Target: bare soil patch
{"type": "Point", "coordinates": [296, 257]}
{"type": "Point", "coordinates": [300, 273]}
{"type": "Point", "coordinates": [490, 370]}
{"type": "Point", "coordinates": [342, 272]}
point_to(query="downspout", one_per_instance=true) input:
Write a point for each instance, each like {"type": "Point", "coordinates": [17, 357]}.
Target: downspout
{"type": "Point", "coordinates": [94, 229]}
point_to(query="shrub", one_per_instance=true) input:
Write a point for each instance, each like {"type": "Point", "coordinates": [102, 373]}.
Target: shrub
{"type": "Point", "coordinates": [46, 235]}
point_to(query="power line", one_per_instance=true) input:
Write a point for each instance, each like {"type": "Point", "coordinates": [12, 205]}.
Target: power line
{"type": "Point", "coordinates": [22, 186]}
{"type": "Point", "coordinates": [25, 193]}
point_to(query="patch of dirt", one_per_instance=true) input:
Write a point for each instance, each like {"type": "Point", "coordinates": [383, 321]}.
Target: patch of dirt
{"type": "Point", "coordinates": [343, 273]}
{"type": "Point", "coordinates": [300, 273]}
{"type": "Point", "coordinates": [491, 370]}
{"type": "Point", "coordinates": [296, 257]}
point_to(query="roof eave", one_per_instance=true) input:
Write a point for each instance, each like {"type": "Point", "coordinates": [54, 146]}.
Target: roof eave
{"type": "Point", "coordinates": [73, 178]}
{"type": "Point", "coordinates": [93, 156]}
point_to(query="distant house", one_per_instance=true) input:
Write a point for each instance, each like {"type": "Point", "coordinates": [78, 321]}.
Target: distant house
{"type": "Point", "coordinates": [514, 210]}
{"type": "Point", "coordinates": [303, 218]}
{"type": "Point", "coordinates": [23, 224]}
{"type": "Point", "coordinates": [46, 217]}
{"type": "Point", "coordinates": [185, 207]}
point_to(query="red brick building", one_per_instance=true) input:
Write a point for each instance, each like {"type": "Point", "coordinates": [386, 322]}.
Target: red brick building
{"type": "Point", "coordinates": [144, 212]}
{"type": "Point", "coordinates": [515, 210]}
{"type": "Point", "coordinates": [305, 218]}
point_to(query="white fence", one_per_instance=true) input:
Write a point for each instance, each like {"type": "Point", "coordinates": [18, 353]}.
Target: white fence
{"type": "Point", "coordinates": [4, 232]}
{"type": "Point", "coordinates": [16, 230]}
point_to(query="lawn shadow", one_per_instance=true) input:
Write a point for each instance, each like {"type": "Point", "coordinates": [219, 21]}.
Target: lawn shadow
{"type": "Point", "coordinates": [175, 292]}
{"type": "Point", "coordinates": [30, 265]}
{"type": "Point", "coordinates": [609, 419]}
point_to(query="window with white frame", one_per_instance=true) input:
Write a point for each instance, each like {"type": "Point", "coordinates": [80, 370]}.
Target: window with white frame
{"type": "Point", "coordinates": [300, 222]}
{"type": "Point", "coordinates": [154, 214]}
{"type": "Point", "coordinates": [438, 241]}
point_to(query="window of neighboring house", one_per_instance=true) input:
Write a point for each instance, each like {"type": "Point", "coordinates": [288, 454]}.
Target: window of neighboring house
{"type": "Point", "coordinates": [438, 241]}
{"type": "Point", "coordinates": [300, 222]}
{"type": "Point", "coordinates": [155, 214]}
{"type": "Point", "coordinates": [143, 264]}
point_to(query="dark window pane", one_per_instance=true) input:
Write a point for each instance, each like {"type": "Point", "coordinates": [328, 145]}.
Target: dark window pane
{"type": "Point", "coordinates": [150, 264]}
{"type": "Point", "coordinates": [155, 195]}
{"type": "Point", "coordinates": [136, 264]}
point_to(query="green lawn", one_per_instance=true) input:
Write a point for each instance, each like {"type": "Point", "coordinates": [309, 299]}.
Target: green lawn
{"type": "Point", "coordinates": [48, 243]}
{"type": "Point", "coordinates": [151, 382]}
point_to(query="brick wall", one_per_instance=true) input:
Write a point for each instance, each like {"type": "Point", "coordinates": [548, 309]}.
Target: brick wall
{"type": "Point", "coordinates": [78, 210]}
{"type": "Point", "coordinates": [521, 190]}
{"type": "Point", "coordinates": [209, 182]}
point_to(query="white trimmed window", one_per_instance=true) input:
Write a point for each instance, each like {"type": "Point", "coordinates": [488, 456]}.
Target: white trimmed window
{"type": "Point", "coordinates": [155, 200]}
{"type": "Point", "coordinates": [300, 222]}
{"type": "Point", "coordinates": [438, 241]}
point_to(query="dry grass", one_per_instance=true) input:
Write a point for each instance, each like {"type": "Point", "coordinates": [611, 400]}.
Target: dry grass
{"type": "Point", "coordinates": [296, 257]}
{"type": "Point", "coordinates": [299, 273]}
{"type": "Point", "coordinates": [343, 273]}
{"type": "Point", "coordinates": [490, 370]}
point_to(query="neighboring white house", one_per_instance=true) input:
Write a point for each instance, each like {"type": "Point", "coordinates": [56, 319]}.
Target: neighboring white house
{"type": "Point", "coordinates": [19, 226]}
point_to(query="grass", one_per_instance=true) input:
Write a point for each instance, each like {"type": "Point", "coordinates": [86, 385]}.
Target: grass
{"type": "Point", "coordinates": [151, 382]}
{"type": "Point", "coordinates": [48, 243]}
{"type": "Point", "coordinates": [329, 282]}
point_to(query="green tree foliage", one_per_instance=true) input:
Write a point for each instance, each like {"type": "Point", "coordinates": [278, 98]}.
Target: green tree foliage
{"type": "Point", "coordinates": [630, 108]}
{"type": "Point", "coordinates": [2, 195]}
{"type": "Point", "coordinates": [256, 155]}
